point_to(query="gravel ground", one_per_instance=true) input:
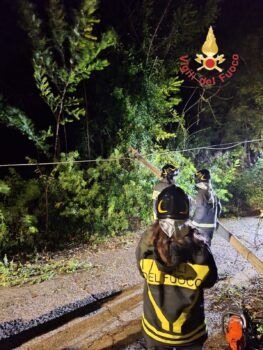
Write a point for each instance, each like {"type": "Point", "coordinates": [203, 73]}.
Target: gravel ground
{"type": "Point", "coordinates": [114, 268]}
{"type": "Point", "coordinates": [250, 232]}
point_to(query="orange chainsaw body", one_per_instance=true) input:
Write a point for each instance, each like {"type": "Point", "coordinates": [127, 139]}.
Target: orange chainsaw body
{"type": "Point", "coordinates": [235, 333]}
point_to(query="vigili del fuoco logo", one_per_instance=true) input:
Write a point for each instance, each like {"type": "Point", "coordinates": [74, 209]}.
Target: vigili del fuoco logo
{"type": "Point", "coordinates": [210, 61]}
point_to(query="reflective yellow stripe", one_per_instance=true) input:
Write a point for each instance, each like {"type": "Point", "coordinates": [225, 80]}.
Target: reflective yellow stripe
{"type": "Point", "coordinates": [203, 225]}
{"type": "Point", "coordinates": [160, 315]}
{"type": "Point", "coordinates": [177, 325]}
{"type": "Point", "coordinates": [172, 342]}
{"type": "Point", "coordinates": [166, 335]}
{"type": "Point", "coordinates": [159, 208]}
{"type": "Point", "coordinates": [185, 275]}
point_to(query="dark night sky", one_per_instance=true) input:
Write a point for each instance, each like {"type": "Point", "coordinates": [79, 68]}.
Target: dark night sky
{"type": "Point", "coordinates": [16, 82]}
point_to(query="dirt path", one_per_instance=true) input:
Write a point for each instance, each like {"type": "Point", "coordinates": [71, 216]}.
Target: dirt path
{"type": "Point", "coordinates": [114, 267]}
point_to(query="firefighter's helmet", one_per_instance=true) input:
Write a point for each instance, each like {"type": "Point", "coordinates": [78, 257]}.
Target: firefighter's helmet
{"type": "Point", "coordinates": [202, 176]}
{"type": "Point", "coordinates": [169, 172]}
{"type": "Point", "coordinates": [172, 203]}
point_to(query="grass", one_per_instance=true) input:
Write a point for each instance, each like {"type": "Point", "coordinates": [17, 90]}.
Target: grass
{"type": "Point", "coordinates": [36, 268]}
{"type": "Point", "coordinates": [231, 293]}
{"type": "Point", "coordinates": [17, 273]}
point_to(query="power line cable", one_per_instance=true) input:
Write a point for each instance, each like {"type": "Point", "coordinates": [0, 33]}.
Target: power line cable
{"type": "Point", "coordinates": [212, 147]}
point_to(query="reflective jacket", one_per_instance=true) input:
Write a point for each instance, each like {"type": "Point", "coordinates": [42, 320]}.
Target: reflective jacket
{"type": "Point", "coordinates": [205, 210]}
{"type": "Point", "coordinates": [173, 310]}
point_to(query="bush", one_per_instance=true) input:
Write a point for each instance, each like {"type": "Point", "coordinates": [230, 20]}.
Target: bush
{"type": "Point", "coordinates": [113, 196]}
{"type": "Point", "coordinates": [74, 203]}
{"type": "Point", "coordinates": [247, 189]}
{"type": "Point", "coordinates": [103, 199]}
{"type": "Point", "coordinates": [224, 168]}
{"type": "Point", "coordinates": [19, 211]}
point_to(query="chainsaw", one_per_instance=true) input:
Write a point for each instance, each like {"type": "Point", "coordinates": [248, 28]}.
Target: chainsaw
{"type": "Point", "coordinates": [234, 324]}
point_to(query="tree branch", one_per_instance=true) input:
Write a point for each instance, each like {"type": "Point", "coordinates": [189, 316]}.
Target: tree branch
{"type": "Point", "coordinates": [58, 120]}
{"type": "Point", "coordinates": [156, 30]}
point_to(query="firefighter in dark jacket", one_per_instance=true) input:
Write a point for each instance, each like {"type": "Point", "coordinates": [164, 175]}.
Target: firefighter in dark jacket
{"type": "Point", "coordinates": [206, 206]}
{"type": "Point", "coordinates": [176, 266]}
{"type": "Point", "coordinates": [168, 174]}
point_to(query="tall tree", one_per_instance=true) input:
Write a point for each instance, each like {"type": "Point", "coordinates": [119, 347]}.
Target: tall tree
{"type": "Point", "coordinates": [138, 97]}
{"type": "Point", "coordinates": [65, 52]}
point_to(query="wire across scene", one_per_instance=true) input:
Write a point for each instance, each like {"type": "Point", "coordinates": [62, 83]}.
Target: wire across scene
{"type": "Point", "coordinates": [217, 147]}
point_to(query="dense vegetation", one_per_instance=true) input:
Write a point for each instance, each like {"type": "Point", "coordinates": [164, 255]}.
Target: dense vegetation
{"type": "Point", "coordinates": [105, 84]}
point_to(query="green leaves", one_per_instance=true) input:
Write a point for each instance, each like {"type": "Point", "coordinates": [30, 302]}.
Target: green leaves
{"type": "Point", "coordinates": [15, 118]}
{"type": "Point", "coordinates": [247, 189]}
{"type": "Point", "coordinates": [85, 51]}
{"type": "Point", "coordinates": [3, 228]}
{"type": "Point", "coordinates": [30, 222]}
{"type": "Point", "coordinates": [4, 188]}
{"type": "Point", "coordinates": [225, 169]}
{"type": "Point", "coordinates": [15, 273]}
{"type": "Point", "coordinates": [43, 85]}
{"type": "Point", "coordinates": [64, 56]}
{"type": "Point", "coordinates": [19, 213]}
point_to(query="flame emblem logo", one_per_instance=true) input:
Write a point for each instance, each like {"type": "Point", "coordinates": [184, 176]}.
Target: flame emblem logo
{"type": "Point", "coordinates": [210, 49]}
